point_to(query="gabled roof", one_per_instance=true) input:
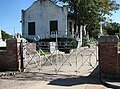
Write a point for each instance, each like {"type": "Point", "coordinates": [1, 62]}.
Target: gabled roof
{"type": "Point", "coordinates": [55, 3]}
{"type": "Point", "coordinates": [45, 0]}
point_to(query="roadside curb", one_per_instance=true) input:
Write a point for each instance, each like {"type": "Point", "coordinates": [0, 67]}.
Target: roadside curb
{"type": "Point", "coordinates": [113, 85]}
{"type": "Point", "coordinates": [10, 73]}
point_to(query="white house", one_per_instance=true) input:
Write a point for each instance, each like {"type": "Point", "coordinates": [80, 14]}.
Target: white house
{"type": "Point", "coordinates": [43, 18]}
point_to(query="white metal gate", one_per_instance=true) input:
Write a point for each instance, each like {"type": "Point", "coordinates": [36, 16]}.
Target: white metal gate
{"type": "Point", "coordinates": [79, 61]}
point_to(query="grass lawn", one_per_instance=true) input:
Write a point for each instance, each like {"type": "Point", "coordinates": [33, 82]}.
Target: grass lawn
{"type": "Point", "coordinates": [42, 52]}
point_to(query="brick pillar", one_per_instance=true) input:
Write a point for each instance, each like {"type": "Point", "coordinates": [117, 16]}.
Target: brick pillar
{"type": "Point", "coordinates": [108, 56]}
{"type": "Point", "coordinates": [11, 62]}
{"type": "Point", "coordinates": [13, 53]}
{"type": "Point", "coordinates": [119, 63]}
{"type": "Point", "coordinates": [10, 59]}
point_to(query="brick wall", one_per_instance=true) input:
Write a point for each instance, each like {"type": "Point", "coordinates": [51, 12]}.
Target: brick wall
{"type": "Point", "coordinates": [10, 58]}
{"type": "Point", "coordinates": [108, 56]}
{"type": "Point", "coordinates": [119, 63]}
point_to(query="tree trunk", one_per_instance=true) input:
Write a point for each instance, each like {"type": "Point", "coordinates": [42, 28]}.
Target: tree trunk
{"type": "Point", "coordinates": [79, 37]}
{"type": "Point", "coordinates": [85, 32]}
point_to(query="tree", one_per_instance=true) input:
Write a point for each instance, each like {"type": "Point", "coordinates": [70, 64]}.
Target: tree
{"type": "Point", "coordinates": [5, 35]}
{"type": "Point", "coordinates": [90, 12]}
{"type": "Point", "coordinates": [112, 28]}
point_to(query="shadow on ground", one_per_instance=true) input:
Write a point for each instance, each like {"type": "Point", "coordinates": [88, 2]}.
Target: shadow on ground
{"type": "Point", "coordinates": [77, 80]}
{"type": "Point", "coordinates": [58, 80]}
{"type": "Point", "coordinates": [74, 81]}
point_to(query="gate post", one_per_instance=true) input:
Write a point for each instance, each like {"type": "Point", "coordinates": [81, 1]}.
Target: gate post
{"type": "Point", "coordinates": [21, 54]}
{"type": "Point", "coordinates": [108, 56]}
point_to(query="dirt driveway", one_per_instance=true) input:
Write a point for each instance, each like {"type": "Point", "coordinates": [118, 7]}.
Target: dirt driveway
{"type": "Point", "coordinates": [47, 81]}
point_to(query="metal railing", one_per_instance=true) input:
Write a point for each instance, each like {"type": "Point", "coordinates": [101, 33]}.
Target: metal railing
{"type": "Point", "coordinates": [79, 60]}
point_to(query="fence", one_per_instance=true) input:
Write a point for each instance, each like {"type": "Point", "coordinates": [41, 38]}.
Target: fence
{"type": "Point", "coordinates": [78, 61]}
{"type": "Point", "coordinates": [23, 56]}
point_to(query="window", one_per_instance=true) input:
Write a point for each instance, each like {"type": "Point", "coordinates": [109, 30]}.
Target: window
{"type": "Point", "coordinates": [53, 26]}
{"type": "Point", "coordinates": [31, 28]}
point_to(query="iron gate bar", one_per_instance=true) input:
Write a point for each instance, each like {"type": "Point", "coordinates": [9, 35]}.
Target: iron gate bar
{"type": "Point", "coordinates": [66, 60]}
{"type": "Point", "coordinates": [48, 60]}
{"type": "Point", "coordinates": [69, 62]}
{"type": "Point", "coordinates": [31, 59]}
{"type": "Point", "coordinates": [83, 63]}
{"type": "Point", "coordinates": [43, 59]}
{"type": "Point", "coordinates": [93, 52]}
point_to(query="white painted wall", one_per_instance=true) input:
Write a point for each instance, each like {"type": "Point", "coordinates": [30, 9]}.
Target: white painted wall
{"type": "Point", "coordinates": [41, 12]}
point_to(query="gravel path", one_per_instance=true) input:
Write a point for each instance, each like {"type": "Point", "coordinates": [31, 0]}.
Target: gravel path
{"type": "Point", "coordinates": [46, 81]}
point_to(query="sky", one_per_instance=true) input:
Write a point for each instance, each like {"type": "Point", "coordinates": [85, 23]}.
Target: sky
{"type": "Point", "coordinates": [10, 14]}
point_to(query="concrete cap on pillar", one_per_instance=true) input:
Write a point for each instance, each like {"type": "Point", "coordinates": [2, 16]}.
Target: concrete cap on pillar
{"type": "Point", "coordinates": [111, 38]}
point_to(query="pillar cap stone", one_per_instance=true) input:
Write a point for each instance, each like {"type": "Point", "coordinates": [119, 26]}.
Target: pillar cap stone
{"type": "Point", "coordinates": [111, 38]}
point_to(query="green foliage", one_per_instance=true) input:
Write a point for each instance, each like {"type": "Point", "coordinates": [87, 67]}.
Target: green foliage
{"type": "Point", "coordinates": [68, 43]}
{"type": "Point", "coordinates": [43, 52]}
{"type": "Point", "coordinates": [86, 42]}
{"type": "Point", "coordinates": [95, 33]}
{"type": "Point", "coordinates": [5, 35]}
{"type": "Point", "coordinates": [64, 44]}
{"type": "Point", "coordinates": [91, 11]}
{"type": "Point", "coordinates": [112, 28]}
